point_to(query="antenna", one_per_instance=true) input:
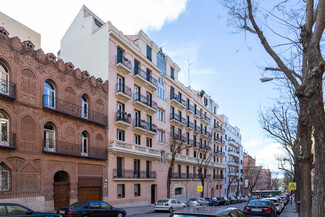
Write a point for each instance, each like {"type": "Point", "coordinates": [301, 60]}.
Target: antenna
{"type": "Point", "coordinates": [188, 71]}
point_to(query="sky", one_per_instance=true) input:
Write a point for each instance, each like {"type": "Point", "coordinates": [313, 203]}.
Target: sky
{"type": "Point", "coordinates": [224, 64]}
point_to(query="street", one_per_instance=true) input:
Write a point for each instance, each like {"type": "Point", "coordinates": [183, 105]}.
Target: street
{"type": "Point", "coordinates": [166, 214]}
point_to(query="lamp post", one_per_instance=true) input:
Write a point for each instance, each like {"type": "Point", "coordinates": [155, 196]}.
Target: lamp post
{"type": "Point", "coordinates": [266, 79]}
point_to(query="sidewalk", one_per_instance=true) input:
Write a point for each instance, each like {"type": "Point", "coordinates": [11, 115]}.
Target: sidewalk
{"type": "Point", "coordinates": [289, 211]}
{"type": "Point", "coordinates": [138, 210]}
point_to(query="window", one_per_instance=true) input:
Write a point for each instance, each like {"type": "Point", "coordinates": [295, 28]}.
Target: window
{"type": "Point", "coordinates": [149, 53]}
{"type": "Point", "coordinates": [4, 129]}
{"type": "Point", "coordinates": [119, 57]}
{"type": "Point", "coordinates": [187, 172]}
{"type": "Point", "coordinates": [16, 210]}
{"type": "Point", "coordinates": [148, 73]}
{"type": "Point", "coordinates": [187, 138]}
{"type": "Point", "coordinates": [84, 144]}
{"type": "Point", "coordinates": [178, 191]}
{"type": "Point", "coordinates": [49, 137]}
{"type": "Point", "coordinates": [120, 190]}
{"type": "Point", "coordinates": [4, 177]}
{"type": "Point", "coordinates": [120, 114]}
{"type": "Point", "coordinates": [137, 139]}
{"type": "Point", "coordinates": [187, 120]}
{"type": "Point", "coordinates": [162, 156]}
{"type": "Point", "coordinates": [137, 93]}
{"type": "Point", "coordinates": [214, 110]}
{"type": "Point", "coordinates": [194, 154]}
{"type": "Point", "coordinates": [4, 79]}
{"type": "Point", "coordinates": [205, 101]}
{"type": "Point", "coordinates": [148, 166]}
{"type": "Point", "coordinates": [160, 136]}
{"type": "Point", "coordinates": [120, 81]}
{"type": "Point", "coordinates": [49, 94]}
{"type": "Point", "coordinates": [179, 171]}
{"type": "Point", "coordinates": [161, 114]}
{"type": "Point", "coordinates": [149, 142]}
{"type": "Point", "coordinates": [120, 135]}
{"type": "Point", "coordinates": [136, 168]}
{"type": "Point", "coordinates": [172, 73]}
{"type": "Point", "coordinates": [84, 107]}
{"type": "Point", "coordinates": [161, 62]}
{"type": "Point", "coordinates": [136, 67]}
{"type": "Point", "coordinates": [99, 24]}
{"type": "Point", "coordinates": [161, 93]}
{"type": "Point", "coordinates": [119, 170]}
{"type": "Point", "coordinates": [187, 152]}
{"type": "Point", "coordinates": [137, 190]}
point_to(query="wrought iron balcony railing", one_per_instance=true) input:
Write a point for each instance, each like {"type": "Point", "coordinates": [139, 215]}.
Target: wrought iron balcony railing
{"type": "Point", "coordinates": [145, 125]}
{"type": "Point", "coordinates": [134, 174]}
{"type": "Point", "coordinates": [143, 99]}
{"type": "Point", "coordinates": [182, 176]}
{"type": "Point", "coordinates": [216, 151]}
{"type": "Point", "coordinates": [197, 112]}
{"type": "Point", "coordinates": [204, 117]}
{"type": "Point", "coordinates": [8, 140]}
{"type": "Point", "coordinates": [72, 149]}
{"type": "Point", "coordinates": [177, 136]}
{"type": "Point", "coordinates": [190, 125]}
{"type": "Point", "coordinates": [7, 89]}
{"type": "Point", "coordinates": [190, 107]}
{"type": "Point", "coordinates": [178, 118]}
{"type": "Point", "coordinates": [219, 140]}
{"type": "Point", "coordinates": [197, 128]}
{"type": "Point", "coordinates": [124, 61]}
{"type": "Point", "coordinates": [218, 176]}
{"type": "Point", "coordinates": [217, 126]}
{"type": "Point", "coordinates": [73, 110]}
{"type": "Point", "coordinates": [123, 116]}
{"type": "Point", "coordinates": [178, 99]}
{"type": "Point", "coordinates": [143, 74]}
{"type": "Point", "coordinates": [123, 89]}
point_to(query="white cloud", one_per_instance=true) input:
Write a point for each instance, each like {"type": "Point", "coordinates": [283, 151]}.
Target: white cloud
{"type": "Point", "coordinates": [52, 18]}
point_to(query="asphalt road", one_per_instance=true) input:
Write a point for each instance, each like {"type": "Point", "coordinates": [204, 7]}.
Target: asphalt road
{"type": "Point", "coordinates": [166, 214]}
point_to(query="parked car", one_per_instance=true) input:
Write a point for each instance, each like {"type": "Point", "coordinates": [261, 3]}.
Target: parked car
{"type": "Point", "coordinates": [277, 203]}
{"type": "Point", "coordinates": [260, 208]}
{"type": "Point", "coordinates": [168, 204]}
{"type": "Point", "coordinates": [212, 201]}
{"type": "Point", "coordinates": [207, 212]}
{"type": "Point", "coordinates": [223, 200]}
{"type": "Point", "coordinates": [232, 200]}
{"type": "Point", "coordinates": [246, 198]}
{"type": "Point", "coordinates": [285, 199]}
{"type": "Point", "coordinates": [239, 199]}
{"type": "Point", "coordinates": [14, 209]}
{"type": "Point", "coordinates": [91, 208]}
{"type": "Point", "coordinates": [197, 202]}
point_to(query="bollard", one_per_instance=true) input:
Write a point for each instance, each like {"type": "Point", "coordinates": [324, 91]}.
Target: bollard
{"type": "Point", "coordinates": [298, 208]}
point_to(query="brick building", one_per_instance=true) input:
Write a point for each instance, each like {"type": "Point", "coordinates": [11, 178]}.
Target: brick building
{"type": "Point", "coordinates": [53, 129]}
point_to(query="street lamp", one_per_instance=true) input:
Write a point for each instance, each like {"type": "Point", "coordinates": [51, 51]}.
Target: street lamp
{"type": "Point", "coordinates": [266, 79]}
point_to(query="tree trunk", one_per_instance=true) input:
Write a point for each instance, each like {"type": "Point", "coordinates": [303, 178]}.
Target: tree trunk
{"type": "Point", "coordinates": [305, 162]}
{"type": "Point", "coordinates": [316, 107]}
{"type": "Point", "coordinates": [202, 184]}
{"type": "Point", "coordinates": [169, 175]}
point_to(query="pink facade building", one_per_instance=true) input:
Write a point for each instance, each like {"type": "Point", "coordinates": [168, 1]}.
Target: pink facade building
{"type": "Point", "coordinates": [148, 110]}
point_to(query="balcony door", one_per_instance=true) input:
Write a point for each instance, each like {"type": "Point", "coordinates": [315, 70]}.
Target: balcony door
{"type": "Point", "coordinates": [119, 167]}
{"type": "Point", "coordinates": [4, 79]}
{"type": "Point", "coordinates": [119, 55]}
{"type": "Point", "coordinates": [120, 111]}
{"type": "Point", "coordinates": [4, 129]}
{"type": "Point", "coordinates": [149, 99]}
{"type": "Point", "coordinates": [137, 93]}
{"type": "Point", "coordinates": [149, 122]}
{"type": "Point", "coordinates": [49, 137]}
{"type": "Point", "coordinates": [137, 118]}
{"type": "Point", "coordinates": [120, 87]}
{"type": "Point", "coordinates": [136, 168]}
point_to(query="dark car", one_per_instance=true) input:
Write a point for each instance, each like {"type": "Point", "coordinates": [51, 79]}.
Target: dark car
{"type": "Point", "coordinates": [232, 200]}
{"type": "Point", "coordinates": [239, 199]}
{"type": "Point", "coordinates": [223, 200]}
{"type": "Point", "coordinates": [212, 201]}
{"type": "Point", "coordinates": [91, 208]}
{"type": "Point", "coordinates": [17, 210]}
{"type": "Point", "coordinates": [260, 208]}
{"type": "Point", "coordinates": [207, 212]}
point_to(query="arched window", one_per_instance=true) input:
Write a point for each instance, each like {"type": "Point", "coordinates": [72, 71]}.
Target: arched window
{"type": "Point", "coordinates": [4, 177]}
{"type": "Point", "coordinates": [84, 107]}
{"type": "Point", "coordinates": [178, 191]}
{"type": "Point", "coordinates": [84, 144]}
{"type": "Point", "coordinates": [49, 137]}
{"type": "Point", "coordinates": [4, 129]}
{"type": "Point", "coordinates": [49, 94]}
{"type": "Point", "coordinates": [4, 79]}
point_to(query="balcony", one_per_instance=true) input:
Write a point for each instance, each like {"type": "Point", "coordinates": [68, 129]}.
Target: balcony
{"type": "Point", "coordinates": [144, 127]}
{"type": "Point", "coordinates": [197, 113]}
{"type": "Point", "coordinates": [123, 119]}
{"type": "Point", "coordinates": [131, 149]}
{"type": "Point", "coordinates": [144, 103]}
{"type": "Point", "coordinates": [177, 120]}
{"type": "Point", "coordinates": [179, 176]}
{"type": "Point", "coordinates": [177, 101]}
{"type": "Point", "coordinates": [205, 119]}
{"type": "Point", "coordinates": [218, 165]}
{"type": "Point", "coordinates": [197, 129]}
{"type": "Point", "coordinates": [233, 173]}
{"type": "Point", "coordinates": [218, 177]}
{"type": "Point", "coordinates": [178, 138]}
{"type": "Point", "coordinates": [218, 152]}
{"type": "Point", "coordinates": [219, 128]}
{"type": "Point", "coordinates": [57, 105]}
{"type": "Point", "coordinates": [8, 140]}
{"type": "Point", "coordinates": [182, 159]}
{"type": "Point", "coordinates": [134, 175]}
{"type": "Point", "coordinates": [233, 152]}
{"type": "Point", "coordinates": [7, 89]}
{"type": "Point", "coordinates": [233, 163]}
{"type": "Point", "coordinates": [219, 141]}
{"type": "Point", "coordinates": [189, 109]}
{"type": "Point", "coordinates": [205, 134]}
{"type": "Point", "coordinates": [74, 150]}
{"type": "Point", "coordinates": [123, 93]}
{"type": "Point", "coordinates": [123, 65]}
{"type": "Point", "coordinates": [145, 79]}
{"type": "Point", "coordinates": [189, 126]}
{"type": "Point", "coordinates": [196, 144]}
{"type": "Point", "coordinates": [233, 142]}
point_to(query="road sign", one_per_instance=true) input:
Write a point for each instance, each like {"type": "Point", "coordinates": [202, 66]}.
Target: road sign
{"type": "Point", "coordinates": [292, 186]}
{"type": "Point", "coordinates": [199, 188]}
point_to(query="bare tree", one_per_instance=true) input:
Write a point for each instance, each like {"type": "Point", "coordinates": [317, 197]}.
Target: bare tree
{"type": "Point", "coordinates": [299, 26]}
{"type": "Point", "coordinates": [275, 182]}
{"type": "Point", "coordinates": [177, 145]}
{"type": "Point", "coordinates": [233, 179]}
{"type": "Point", "coordinates": [253, 174]}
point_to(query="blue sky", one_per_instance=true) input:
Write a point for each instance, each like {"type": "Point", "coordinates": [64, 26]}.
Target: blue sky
{"type": "Point", "coordinates": [226, 65]}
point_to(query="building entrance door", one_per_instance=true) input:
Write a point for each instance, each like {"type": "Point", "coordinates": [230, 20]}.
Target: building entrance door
{"type": "Point", "coordinates": [61, 189]}
{"type": "Point", "coordinates": [153, 194]}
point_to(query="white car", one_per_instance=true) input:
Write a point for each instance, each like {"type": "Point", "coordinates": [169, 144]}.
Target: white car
{"type": "Point", "coordinates": [277, 203]}
{"type": "Point", "coordinates": [168, 204]}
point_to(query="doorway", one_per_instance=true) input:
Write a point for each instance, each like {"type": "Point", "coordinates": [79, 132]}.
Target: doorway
{"type": "Point", "coordinates": [61, 189]}
{"type": "Point", "coordinates": [153, 194]}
